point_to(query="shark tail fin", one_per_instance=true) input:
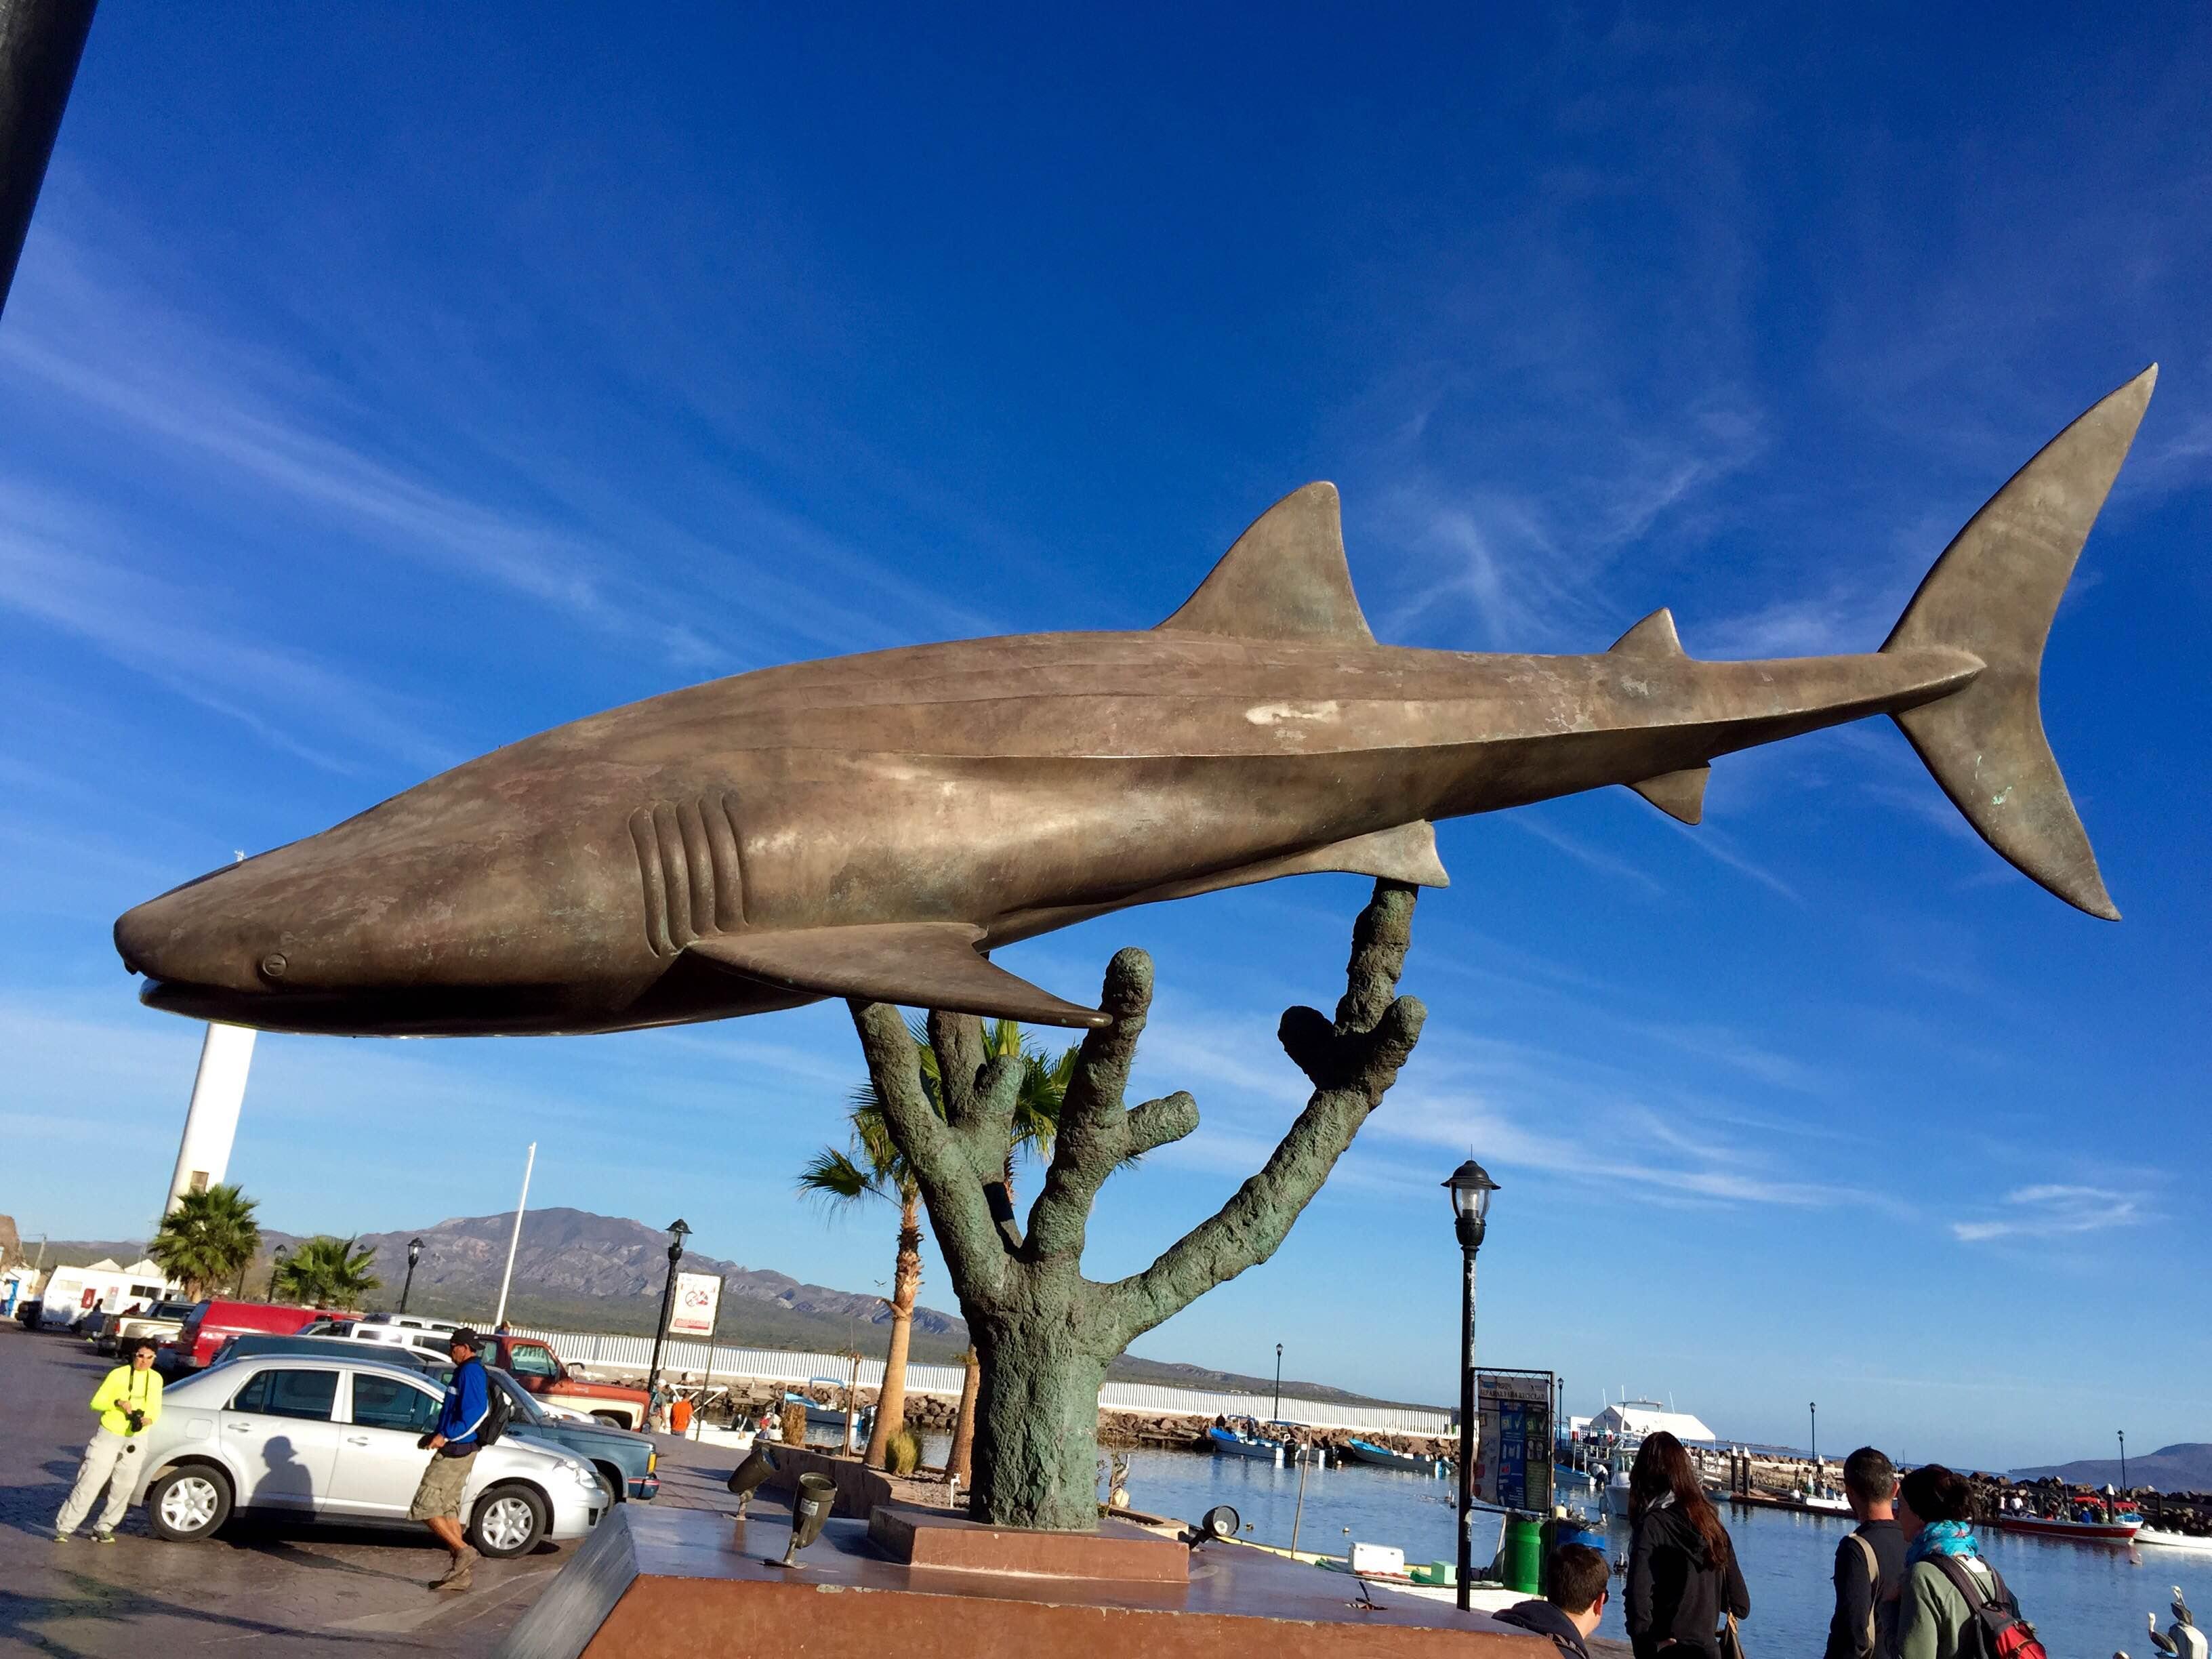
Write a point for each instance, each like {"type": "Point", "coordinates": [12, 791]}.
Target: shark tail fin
{"type": "Point", "coordinates": [1993, 595]}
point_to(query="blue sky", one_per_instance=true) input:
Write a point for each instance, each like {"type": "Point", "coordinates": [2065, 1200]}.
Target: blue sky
{"type": "Point", "coordinates": [385, 385]}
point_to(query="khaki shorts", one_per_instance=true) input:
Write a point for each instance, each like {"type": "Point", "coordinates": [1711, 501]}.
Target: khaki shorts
{"type": "Point", "coordinates": [443, 1482]}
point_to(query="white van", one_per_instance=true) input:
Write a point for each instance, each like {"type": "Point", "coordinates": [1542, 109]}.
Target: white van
{"type": "Point", "coordinates": [426, 1336]}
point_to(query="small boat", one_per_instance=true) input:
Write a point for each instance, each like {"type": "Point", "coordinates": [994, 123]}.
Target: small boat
{"type": "Point", "coordinates": [2166, 1539]}
{"type": "Point", "coordinates": [819, 1416]}
{"type": "Point", "coordinates": [2121, 1529]}
{"type": "Point", "coordinates": [1381, 1457]}
{"type": "Point", "coordinates": [1227, 1443]}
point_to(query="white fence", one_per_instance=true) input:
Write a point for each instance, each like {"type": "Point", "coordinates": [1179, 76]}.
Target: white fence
{"type": "Point", "coordinates": [632, 1354]}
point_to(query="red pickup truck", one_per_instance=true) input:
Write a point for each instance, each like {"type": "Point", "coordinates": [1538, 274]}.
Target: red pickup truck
{"type": "Point", "coordinates": [213, 1322]}
{"type": "Point", "coordinates": [538, 1369]}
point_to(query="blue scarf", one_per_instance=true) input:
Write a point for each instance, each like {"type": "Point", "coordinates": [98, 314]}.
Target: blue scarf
{"type": "Point", "coordinates": [1942, 1538]}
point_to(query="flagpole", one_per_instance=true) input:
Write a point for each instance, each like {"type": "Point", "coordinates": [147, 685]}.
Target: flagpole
{"type": "Point", "coordinates": [521, 1205]}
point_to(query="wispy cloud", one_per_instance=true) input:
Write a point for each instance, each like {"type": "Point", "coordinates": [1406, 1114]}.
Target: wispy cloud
{"type": "Point", "coordinates": [156, 628]}
{"type": "Point", "coordinates": [543, 529]}
{"type": "Point", "coordinates": [2058, 1211]}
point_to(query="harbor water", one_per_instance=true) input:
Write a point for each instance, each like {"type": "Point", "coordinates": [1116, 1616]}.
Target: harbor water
{"type": "Point", "coordinates": [2085, 1601]}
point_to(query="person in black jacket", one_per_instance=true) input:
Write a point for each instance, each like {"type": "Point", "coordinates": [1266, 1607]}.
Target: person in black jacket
{"type": "Point", "coordinates": [1681, 1567]}
{"type": "Point", "coordinates": [1869, 1563]}
{"type": "Point", "coordinates": [1577, 1578]}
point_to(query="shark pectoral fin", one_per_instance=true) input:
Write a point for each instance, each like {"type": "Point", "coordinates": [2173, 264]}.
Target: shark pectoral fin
{"type": "Point", "coordinates": [1285, 579]}
{"type": "Point", "coordinates": [1655, 636]}
{"type": "Point", "coordinates": [1678, 795]}
{"type": "Point", "coordinates": [917, 964]}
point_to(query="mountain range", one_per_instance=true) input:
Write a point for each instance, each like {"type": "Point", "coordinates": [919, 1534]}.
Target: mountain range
{"type": "Point", "coordinates": [574, 1270]}
{"type": "Point", "coordinates": [2185, 1467]}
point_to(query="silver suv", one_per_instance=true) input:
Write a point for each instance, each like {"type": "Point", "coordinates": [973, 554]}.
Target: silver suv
{"type": "Point", "coordinates": [335, 1439]}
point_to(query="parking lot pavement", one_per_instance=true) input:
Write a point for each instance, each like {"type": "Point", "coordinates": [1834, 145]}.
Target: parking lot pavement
{"type": "Point", "coordinates": [292, 1589]}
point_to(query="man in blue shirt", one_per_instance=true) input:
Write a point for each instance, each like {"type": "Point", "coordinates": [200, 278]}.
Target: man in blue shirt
{"type": "Point", "coordinates": [452, 1449]}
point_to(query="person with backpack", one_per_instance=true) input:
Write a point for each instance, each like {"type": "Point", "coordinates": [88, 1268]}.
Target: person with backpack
{"type": "Point", "coordinates": [1869, 1563]}
{"type": "Point", "coordinates": [1682, 1574]}
{"type": "Point", "coordinates": [1954, 1605]}
{"type": "Point", "coordinates": [466, 1422]}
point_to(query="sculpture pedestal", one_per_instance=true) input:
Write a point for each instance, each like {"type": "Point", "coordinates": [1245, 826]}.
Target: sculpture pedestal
{"type": "Point", "coordinates": [677, 1583]}
{"type": "Point", "coordinates": [939, 1538]}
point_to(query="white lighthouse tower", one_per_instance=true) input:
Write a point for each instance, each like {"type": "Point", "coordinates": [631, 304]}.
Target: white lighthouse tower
{"type": "Point", "coordinates": [211, 1122]}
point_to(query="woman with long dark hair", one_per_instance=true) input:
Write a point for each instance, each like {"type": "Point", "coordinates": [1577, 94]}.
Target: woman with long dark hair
{"type": "Point", "coordinates": [1682, 1573]}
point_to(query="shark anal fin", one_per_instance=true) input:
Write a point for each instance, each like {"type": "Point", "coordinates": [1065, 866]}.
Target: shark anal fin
{"type": "Point", "coordinates": [917, 964]}
{"type": "Point", "coordinates": [1655, 636]}
{"type": "Point", "coordinates": [1678, 795]}
{"type": "Point", "coordinates": [1285, 579]}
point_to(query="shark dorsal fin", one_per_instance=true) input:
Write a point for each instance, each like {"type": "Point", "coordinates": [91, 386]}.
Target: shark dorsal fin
{"type": "Point", "coordinates": [1655, 636]}
{"type": "Point", "coordinates": [1285, 579]}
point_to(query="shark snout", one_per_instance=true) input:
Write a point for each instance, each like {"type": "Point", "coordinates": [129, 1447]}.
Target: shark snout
{"type": "Point", "coordinates": [182, 937]}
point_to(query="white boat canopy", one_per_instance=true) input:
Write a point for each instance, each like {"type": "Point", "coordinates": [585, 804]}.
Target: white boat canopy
{"type": "Point", "coordinates": [1634, 1420]}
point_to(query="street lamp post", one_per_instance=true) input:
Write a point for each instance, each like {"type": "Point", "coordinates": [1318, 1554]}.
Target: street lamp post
{"type": "Point", "coordinates": [677, 1232]}
{"type": "Point", "coordinates": [414, 1255]}
{"type": "Point", "coordinates": [1279, 1384]}
{"type": "Point", "coordinates": [2124, 1460]}
{"type": "Point", "coordinates": [1470, 1186]}
{"type": "Point", "coordinates": [1814, 1406]}
{"type": "Point", "coordinates": [276, 1265]}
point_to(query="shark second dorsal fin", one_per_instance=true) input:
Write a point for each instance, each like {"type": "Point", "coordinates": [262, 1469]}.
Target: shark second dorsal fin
{"type": "Point", "coordinates": [1285, 579]}
{"type": "Point", "coordinates": [1655, 636]}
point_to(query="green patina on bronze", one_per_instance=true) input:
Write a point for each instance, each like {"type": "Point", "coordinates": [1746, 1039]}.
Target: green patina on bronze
{"type": "Point", "coordinates": [1044, 1333]}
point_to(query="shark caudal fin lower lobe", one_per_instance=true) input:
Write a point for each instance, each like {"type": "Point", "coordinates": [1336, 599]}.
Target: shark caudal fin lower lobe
{"type": "Point", "coordinates": [1993, 593]}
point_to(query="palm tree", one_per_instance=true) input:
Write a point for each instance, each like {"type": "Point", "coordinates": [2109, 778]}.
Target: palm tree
{"type": "Point", "coordinates": [871, 1167]}
{"type": "Point", "coordinates": [327, 1273]}
{"type": "Point", "coordinates": [210, 1237]}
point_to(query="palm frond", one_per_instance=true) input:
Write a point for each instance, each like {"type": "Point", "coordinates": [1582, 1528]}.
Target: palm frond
{"type": "Point", "coordinates": [836, 1178]}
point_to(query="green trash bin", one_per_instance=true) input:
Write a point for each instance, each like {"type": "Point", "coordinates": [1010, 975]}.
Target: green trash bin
{"type": "Point", "coordinates": [1524, 1554]}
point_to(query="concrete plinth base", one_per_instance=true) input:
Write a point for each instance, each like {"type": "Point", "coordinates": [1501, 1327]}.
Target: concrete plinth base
{"type": "Point", "coordinates": [676, 1583]}
{"type": "Point", "coordinates": [936, 1539]}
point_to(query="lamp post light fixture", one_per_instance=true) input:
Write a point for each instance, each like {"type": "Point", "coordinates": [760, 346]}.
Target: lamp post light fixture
{"type": "Point", "coordinates": [1814, 1406]}
{"type": "Point", "coordinates": [414, 1255]}
{"type": "Point", "coordinates": [276, 1266]}
{"type": "Point", "coordinates": [677, 1232]}
{"type": "Point", "coordinates": [2124, 1460]}
{"type": "Point", "coordinates": [1470, 1186]}
{"type": "Point", "coordinates": [1279, 1384]}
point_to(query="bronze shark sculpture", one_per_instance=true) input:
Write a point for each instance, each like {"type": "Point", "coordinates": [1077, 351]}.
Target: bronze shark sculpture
{"type": "Point", "coordinates": [869, 826]}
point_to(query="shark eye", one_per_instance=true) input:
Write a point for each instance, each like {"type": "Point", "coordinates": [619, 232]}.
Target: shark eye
{"type": "Point", "coordinates": [273, 965]}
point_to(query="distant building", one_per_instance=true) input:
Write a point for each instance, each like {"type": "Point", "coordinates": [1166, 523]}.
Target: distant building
{"type": "Point", "coordinates": [1628, 1423]}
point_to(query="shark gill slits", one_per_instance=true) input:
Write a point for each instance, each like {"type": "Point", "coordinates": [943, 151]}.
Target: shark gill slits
{"type": "Point", "coordinates": [690, 873]}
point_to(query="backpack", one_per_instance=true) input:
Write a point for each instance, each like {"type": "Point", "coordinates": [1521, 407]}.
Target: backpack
{"type": "Point", "coordinates": [1994, 1628]}
{"type": "Point", "coordinates": [499, 1410]}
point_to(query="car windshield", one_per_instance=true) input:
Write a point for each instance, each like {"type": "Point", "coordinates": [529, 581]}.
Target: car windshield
{"type": "Point", "coordinates": [526, 1408]}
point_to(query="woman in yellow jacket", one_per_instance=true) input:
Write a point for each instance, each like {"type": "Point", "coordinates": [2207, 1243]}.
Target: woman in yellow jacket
{"type": "Point", "coordinates": [128, 1402]}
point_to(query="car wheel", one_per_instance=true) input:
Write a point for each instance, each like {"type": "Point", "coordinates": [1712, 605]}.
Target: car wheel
{"type": "Point", "coordinates": [508, 1521]}
{"type": "Point", "coordinates": [188, 1504]}
{"type": "Point", "coordinates": [612, 1419]}
{"type": "Point", "coordinates": [611, 1483]}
